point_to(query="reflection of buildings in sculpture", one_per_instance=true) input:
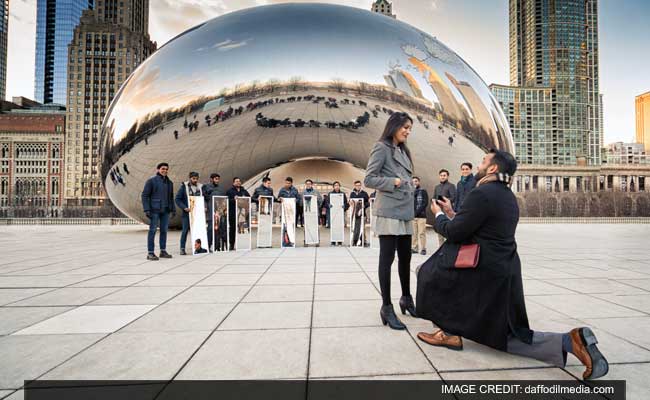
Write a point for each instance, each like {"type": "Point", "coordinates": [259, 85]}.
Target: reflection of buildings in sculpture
{"type": "Point", "coordinates": [404, 81]}
{"type": "Point", "coordinates": [642, 109]}
{"type": "Point", "coordinates": [479, 113]}
{"type": "Point", "coordinates": [31, 159]}
{"type": "Point", "coordinates": [117, 34]}
{"type": "Point", "coordinates": [383, 7]}
{"type": "Point", "coordinates": [446, 98]}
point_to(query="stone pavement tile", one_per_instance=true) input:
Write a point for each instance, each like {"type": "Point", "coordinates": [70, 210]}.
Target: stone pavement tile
{"type": "Point", "coordinates": [255, 354]}
{"type": "Point", "coordinates": [4, 394]}
{"type": "Point", "coordinates": [612, 273]}
{"type": "Point", "coordinates": [66, 297]}
{"type": "Point", "coordinates": [639, 283]}
{"type": "Point", "coordinates": [211, 294]}
{"type": "Point", "coordinates": [287, 278]}
{"type": "Point", "coordinates": [339, 352]}
{"type": "Point", "coordinates": [111, 280]}
{"type": "Point", "coordinates": [27, 357]}
{"type": "Point", "coordinates": [230, 280]}
{"type": "Point", "coordinates": [533, 374]}
{"type": "Point", "coordinates": [131, 356]}
{"type": "Point", "coordinates": [328, 314]}
{"type": "Point", "coordinates": [244, 261]}
{"type": "Point", "coordinates": [11, 295]}
{"type": "Point", "coordinates": [268, 316]}
{"type": "Point", "coordinates": [243, 269]}
{"type": "Point", "coordinates": [534, 287]}
{"type": "Point", "coordinates": [634, 375]}
{"type": "Point", "coordinates": [181, 317]}
{"type": "Point", "coordinates": [346, 291]}
{"type": "Point", "coordinates": [595, 285]}
{"type": "Point", "coordinates": [640, 302]}
{"type": "Point", "coordinates": [140, 295]}
{"type": "Point", "coordinates": [537, 312]}
{"type": "Point", "coordinates": [195, 269]}
{"type": "Point", "coordinates": [473, 356]}
{"type": "Point", "coordinates": [172, 280]}
{"type": "Point", "coordinates": [337, 277]}
{"type": "Point", "coordinates": [88, 319]}
{"type": "Point", "coordinates": [581, 306]}
{"type": "Point", "coordinates": [633, 329]}
{"type": "Point", "coordinates": [47, 281]}
{"type": "Point", "coordinates": [290, 268]}
{"type": "Point", "coordinates": [151, 268]}
{"type": "Point", "coordinates": [270, 293]}
{"type": "Point", "coordinates": [16, 318]}
{"type": "Point", "coordinates": [338, 268]}
{"type": "Point", "coordinates": [545, 273]}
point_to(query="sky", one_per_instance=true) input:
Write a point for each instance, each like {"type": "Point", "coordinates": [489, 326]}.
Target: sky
{"type": "Point", "coordinates": [475, 29]}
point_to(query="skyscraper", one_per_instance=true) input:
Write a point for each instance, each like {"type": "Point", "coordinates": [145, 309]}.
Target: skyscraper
{"type": "Point", "coordinates": [108, 44]}
{"type": "Point", "coordinates": [383, 7]}
{"type": "Point", "coordinates": [55, 24]}
{"type": "Point", "coordinates": [4, 28]}
{"type": "Point", "coordinates": [554, 104]}
{"type": "Point", "coordinates": [642, 108]}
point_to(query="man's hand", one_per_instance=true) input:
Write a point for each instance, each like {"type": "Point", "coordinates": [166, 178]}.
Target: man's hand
{"type": "Point", "coordinates": [435, 208]}
{"type": "Point", "coordinates": [446, 206]}
{"type": "Point", "coordinates": [398, 182]}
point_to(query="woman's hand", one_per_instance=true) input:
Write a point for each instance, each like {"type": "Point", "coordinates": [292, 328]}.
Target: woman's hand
{"type": "Point", "coordinates": [398, 182]}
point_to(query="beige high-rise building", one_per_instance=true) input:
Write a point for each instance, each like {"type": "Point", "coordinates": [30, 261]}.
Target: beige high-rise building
{"type": "Point", "coordinates": [109, 43]}
{"type": "Point", "coordinates": [642, 106]}
{"type": "Point", "coordinates": [383, 7]}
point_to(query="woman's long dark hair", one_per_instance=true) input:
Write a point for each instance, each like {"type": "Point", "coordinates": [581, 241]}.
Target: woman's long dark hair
{"type": "Point", "coordinates": [394, 123]}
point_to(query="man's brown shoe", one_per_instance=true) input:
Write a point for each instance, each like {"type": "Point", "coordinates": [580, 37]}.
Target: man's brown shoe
{"type": "Point", "coordinates": [583, 342]}
{"type": "Point", "coordinates": [440, 338]}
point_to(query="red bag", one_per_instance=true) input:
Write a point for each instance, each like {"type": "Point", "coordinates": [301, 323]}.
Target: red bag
{"type": "Point", "coordinates": [468, 256]}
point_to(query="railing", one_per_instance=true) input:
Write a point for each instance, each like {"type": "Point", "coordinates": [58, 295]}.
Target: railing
{"type": "Point", "coordinates": [68, 221]}
{"type": "Point", "coordinates": [584, 220]}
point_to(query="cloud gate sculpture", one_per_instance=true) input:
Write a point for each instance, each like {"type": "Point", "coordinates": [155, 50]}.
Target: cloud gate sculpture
{"type": "Point", "coordinates": [251, 90]}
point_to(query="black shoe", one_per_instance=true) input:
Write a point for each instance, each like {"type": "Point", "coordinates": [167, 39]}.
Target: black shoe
{"type": "Point", "coordinates": [152, 257]}
{"type": "Point", "coordinates": [414, 251]}
{"type": "Point", "coordinates": [183, 253]}
{"type": "Point", "coordinates": [423, 252]}
{"type": "Point", "coordinates": [332, 243]}
{"type": "Point", "coordinates": [388, 316]}
{"type": "Point", "coordinates": [164, 254]}
{"type": "Point", "coordinates": [406, 304]}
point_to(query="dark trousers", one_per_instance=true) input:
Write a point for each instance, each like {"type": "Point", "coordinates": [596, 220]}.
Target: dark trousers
{"type": "Point", "coordinates": [186, 228]}
{"type": "Point", "coordinates": [388, 244]}
{"type": "Point", "coordinates": [210, 223]}
{"type": "Point", "coordinates": [233, 231]}
{"type": "Point", "coordinates": [161, 219]}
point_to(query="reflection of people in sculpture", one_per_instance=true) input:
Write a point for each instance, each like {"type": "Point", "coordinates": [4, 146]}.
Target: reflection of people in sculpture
{"type": "Point", "coordinates": [308, 204]}
{"type": "Point", "coordinates": [265, 206]}
{"type": "Point", "coordinates": [197, 247]}
{"type": "Point", "coordinates": [289, 221]}
{"type": "Point", "coordinates": [357, 214]}
{"type": "Point", "coordinates": [241, 221]}
{"type": "Point", "coordinates": [220, 229]}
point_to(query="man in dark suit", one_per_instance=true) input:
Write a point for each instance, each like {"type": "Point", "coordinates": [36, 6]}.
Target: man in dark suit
{"type": "Point", "coordinates": [158, 203]}
{"type": "Point", "coordinates": [486, 304]}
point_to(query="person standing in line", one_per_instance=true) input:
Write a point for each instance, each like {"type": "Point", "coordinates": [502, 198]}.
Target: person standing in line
{"type": "Point", "coordinates": [346, 205]}
{"type": "Point", "coordinates": [158, 204]}
{"type": "Point", "coordinates": [192, 187]}
{"type": "Point", "coordinates": [213, 188]}
{"type": "Point", "coordinates": [447, 190]}
{"type": "Point", "coordinates": [484, 301]}
{"type": "Point", "coordinates": [465, 184]}
{"type": "Point", "coordinates": [233, 193]}
{"type": "Point", "coordinates": [389, 172]}
{"type": "Point", "coordinates": [420, 203]}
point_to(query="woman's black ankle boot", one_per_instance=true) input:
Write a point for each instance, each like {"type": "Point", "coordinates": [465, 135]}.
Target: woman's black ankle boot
{"type": "Point", "coordinates": [388, 316]}
{"type": "Point", "coordinates": [406, 304]}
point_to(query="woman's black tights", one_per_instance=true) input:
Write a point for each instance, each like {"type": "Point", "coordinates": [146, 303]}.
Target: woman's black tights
{"type": "Point", "coordinates": [387, 246]}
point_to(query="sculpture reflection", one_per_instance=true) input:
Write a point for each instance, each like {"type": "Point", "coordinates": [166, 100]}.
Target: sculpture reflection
{"type": "Point", "coordinates": [250, 90]}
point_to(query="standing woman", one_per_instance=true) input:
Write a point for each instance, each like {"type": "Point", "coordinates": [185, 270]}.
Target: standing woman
{"type": "Point", "coordinates": [389, 171]}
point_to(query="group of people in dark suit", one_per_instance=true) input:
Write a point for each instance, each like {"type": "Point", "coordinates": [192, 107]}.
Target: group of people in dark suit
{"type": "Point", "coordinates": [484, 301]}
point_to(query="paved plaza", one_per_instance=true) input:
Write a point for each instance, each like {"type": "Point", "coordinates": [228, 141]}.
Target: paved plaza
{"type": "Point", "coordinates": [81, 302]}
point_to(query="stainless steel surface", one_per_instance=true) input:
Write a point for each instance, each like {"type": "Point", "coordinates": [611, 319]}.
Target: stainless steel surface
{"type": "Point", "coordinates": [280, 54]}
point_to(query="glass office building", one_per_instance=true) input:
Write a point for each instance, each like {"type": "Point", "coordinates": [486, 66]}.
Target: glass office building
{"type": "Point", "coordinates": [553, 102]}
{"type": "Point", "coordinates": [4, 22]}
{"type": "Point", "coordinates": [55, 23]}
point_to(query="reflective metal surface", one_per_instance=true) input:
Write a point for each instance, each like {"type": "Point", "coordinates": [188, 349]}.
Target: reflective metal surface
{"type": "Point", "coordinates": [293, 81]}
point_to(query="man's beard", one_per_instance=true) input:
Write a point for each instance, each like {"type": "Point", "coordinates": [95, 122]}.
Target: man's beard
{"type": "Point", "coordinates": [481, 174]}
